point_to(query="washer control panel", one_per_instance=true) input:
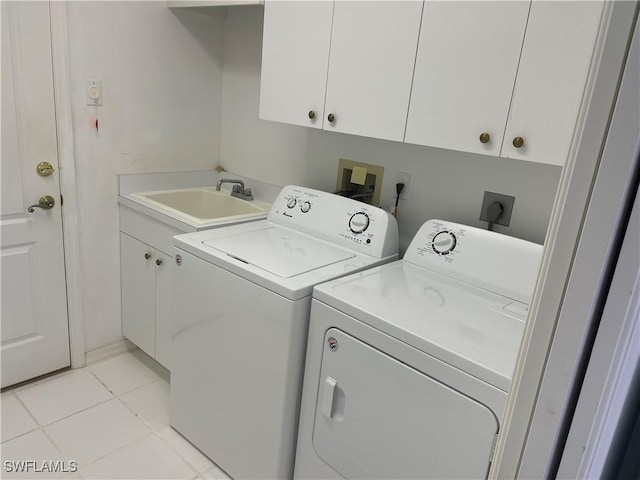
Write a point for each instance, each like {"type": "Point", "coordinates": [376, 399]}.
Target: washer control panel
{"type": "Point", "coordinates": [337, 219]}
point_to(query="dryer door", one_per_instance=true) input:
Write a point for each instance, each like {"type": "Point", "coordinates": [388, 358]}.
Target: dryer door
{"type": "Point", "coordinates": [379, 418]}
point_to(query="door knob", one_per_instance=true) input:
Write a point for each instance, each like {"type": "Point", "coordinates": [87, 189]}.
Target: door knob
{"type": "Point", "coordinates": [147, 256]}
{"type": "Point", "coordinates": [44, 169]}
{"type": "Point", "coordinates": [331, 117]}
{"type": "Point", "coordinates": [46, 202]}
{"type": "Point", "coordinates": [312, 114]}
{"type": "Point", "coordinates": [518, 142]}
{"type": "Point", "coordinates": [158, 262]}
{"type": "Point", "coordinates": [485, 137]}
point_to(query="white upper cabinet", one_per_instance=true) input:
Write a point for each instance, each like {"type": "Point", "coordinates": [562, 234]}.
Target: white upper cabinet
{"type": "Point", "coordinates": [373, 48]}
{"type": "Point", "coordinates": [295, 55]}
{"type": "Point", "coordinates": [360, 54]}
{"type": "Point", "coordinates": [503, 78]}
{"type": "Point", "coordinates": [553, 71]}
{"type": "Point", "coordinates": [465, 70]}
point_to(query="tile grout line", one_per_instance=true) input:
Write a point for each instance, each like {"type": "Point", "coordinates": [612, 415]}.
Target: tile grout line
{"type": "Point", "coordinates": [42, 426]}
{"type": "Point", "coordinates": [97, 377]}
{"type": "Point", "coordinates": [166, 442]}
{"type": "Point", "coordinates": [78, 412]}
{"type": "Point", "coordinates": [157, 433]}
{"type": "Point", "coordinates": [38, 426]}
{"type": "Point", "coordinates": [121, 447]}
{"type": "Point", "coordinates": [113, 396]}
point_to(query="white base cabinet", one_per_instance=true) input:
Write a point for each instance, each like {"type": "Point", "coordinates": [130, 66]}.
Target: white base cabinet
{"type": "Point", "coordinates": [146, 283]}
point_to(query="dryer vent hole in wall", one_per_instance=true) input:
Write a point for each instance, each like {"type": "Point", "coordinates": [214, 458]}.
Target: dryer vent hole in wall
{"type": "Point", "coordinates": [496, 209]}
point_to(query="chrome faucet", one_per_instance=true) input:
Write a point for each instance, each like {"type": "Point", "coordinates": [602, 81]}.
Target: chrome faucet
{"type": "Point", "coordinates": [237, 190]}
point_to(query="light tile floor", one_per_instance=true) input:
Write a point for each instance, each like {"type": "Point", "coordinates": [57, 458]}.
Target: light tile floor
{"type": "Point", "coordinates": [111, 417]}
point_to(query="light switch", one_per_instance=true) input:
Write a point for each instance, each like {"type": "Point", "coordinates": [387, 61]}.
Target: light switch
{"type": "Point", "coordinates": [94, 92]}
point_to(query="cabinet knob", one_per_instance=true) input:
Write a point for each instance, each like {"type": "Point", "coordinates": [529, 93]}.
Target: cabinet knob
{"type": "Point", "coordinates": [518, 142]}
{"type": "Point", "coordinates": [312, 114]}
{"type": "Point", "coordinates": [485, 137]}
{"type": "Point", "coordinates": [158, 262]}
{"type": "Point", "coordinates": [331, 117]}
{"type": "Point", "coordinates": [147, 256]}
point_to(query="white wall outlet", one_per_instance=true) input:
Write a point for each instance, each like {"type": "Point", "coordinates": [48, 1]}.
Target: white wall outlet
{"type": "Point", "coordinates": [402, 177]}
{"type": "Point", "coordinates": [94, 92]}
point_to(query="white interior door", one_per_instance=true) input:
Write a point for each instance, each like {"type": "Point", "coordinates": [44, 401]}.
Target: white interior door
{"type": "Point", "coordinates": [35, 335]}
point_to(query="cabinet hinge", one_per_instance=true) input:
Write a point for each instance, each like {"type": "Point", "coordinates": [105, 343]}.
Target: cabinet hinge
{"type": "Point", "coordinates": [61, 200]}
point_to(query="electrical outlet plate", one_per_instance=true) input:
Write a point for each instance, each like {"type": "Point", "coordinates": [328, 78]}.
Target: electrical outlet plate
{"type": "Point", "coordinates": [403, 177]}
{"type": "Point", "coordinates": [507, 204]}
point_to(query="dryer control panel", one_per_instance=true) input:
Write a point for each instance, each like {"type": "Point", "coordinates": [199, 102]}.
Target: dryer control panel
{"type": "Point", "coordinates": [489, 260]}
{"type": "Point", "coordinates": [337, 219]}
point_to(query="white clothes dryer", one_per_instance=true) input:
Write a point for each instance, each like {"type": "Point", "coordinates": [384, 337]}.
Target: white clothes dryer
{"type": "Point", "coordinates": [242, 299]}
{"type": "Point", "coordinates": [409, 364]}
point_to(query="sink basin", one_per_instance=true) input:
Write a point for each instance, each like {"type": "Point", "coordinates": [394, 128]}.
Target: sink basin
{"type": "Point", "coordinates": [201, 205]}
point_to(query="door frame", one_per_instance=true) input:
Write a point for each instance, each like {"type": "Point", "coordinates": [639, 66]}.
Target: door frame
{"type": "Point", "coordinates": [68, 185]}
{"type": "Point", "coordinates": [548, 319]}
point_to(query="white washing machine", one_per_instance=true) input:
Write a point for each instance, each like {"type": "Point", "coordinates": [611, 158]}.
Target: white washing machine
{"type": "Point", "coordinates": [242, 300]}
{"type": "Point", "coordinates": [409, 364]}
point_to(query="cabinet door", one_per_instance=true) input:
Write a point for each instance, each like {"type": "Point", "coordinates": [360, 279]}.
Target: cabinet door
{"type": "Point", "coordinates": [138, 292]}
{"type": "Point", "coordinates": [295, 54]}
{"type": "Point", "coordinates": [554, 66]}
{"type": "Point", "coordinates": [465, 71]}
{"type": "Point", "coordinates": [164, 308]}
{"type": "Point", "coordinates": [373, 48]}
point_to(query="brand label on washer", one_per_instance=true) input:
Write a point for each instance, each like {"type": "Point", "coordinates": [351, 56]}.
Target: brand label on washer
{"type": "Point", "coordinates": [333, 344]}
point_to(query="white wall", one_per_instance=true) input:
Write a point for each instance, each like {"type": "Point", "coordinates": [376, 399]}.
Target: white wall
{"type": "Point", "coordinates": [444, 184]}
{"type": "Point", "coordinates": [161, 74]}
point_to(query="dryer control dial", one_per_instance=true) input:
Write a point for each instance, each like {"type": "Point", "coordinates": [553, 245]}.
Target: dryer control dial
{"type": "Point", "coordinates": [444, 242]}
{"type": "Point", "coordinates": [292, 202]}
{"type": "Point", "coordinates": [359, 222]}
{"type": "Point", "coordinates": [305, 207]}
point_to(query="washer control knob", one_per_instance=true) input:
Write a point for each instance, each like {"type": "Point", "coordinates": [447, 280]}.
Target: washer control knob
{"type": "Point", "coordinates": [359, 222]}
{"type": "Point", "coordinates": [292, 202]}
{"type": "Point", "coordinates": [305, 207]}
{"type": "Point", "coordinates": [444, 242]}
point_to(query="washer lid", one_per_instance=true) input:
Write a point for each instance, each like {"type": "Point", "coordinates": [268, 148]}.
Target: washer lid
{"type": "Point", "coordinates": [281, 252]}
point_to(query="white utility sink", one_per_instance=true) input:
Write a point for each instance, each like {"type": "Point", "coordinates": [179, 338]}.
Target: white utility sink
{"type": "Point", "coordinates": [202, 205]}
